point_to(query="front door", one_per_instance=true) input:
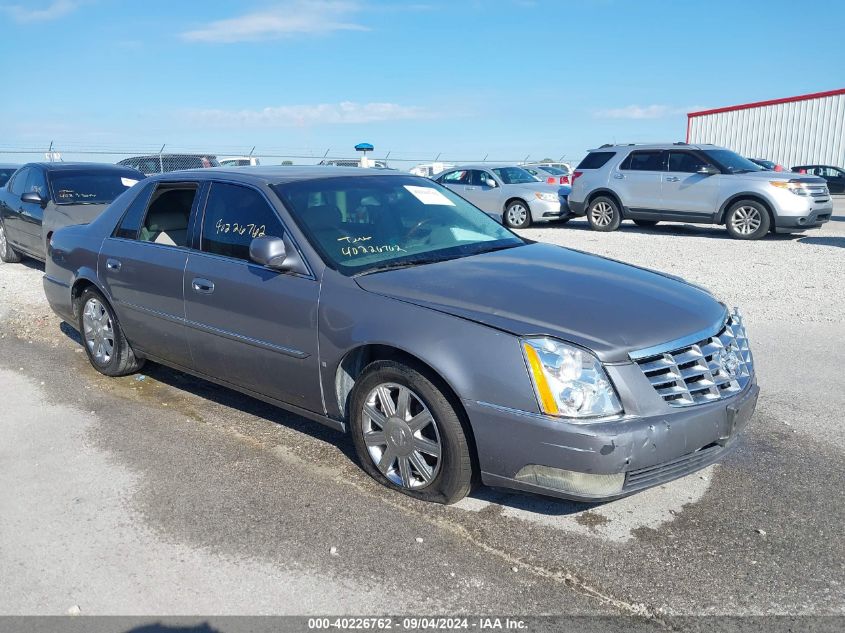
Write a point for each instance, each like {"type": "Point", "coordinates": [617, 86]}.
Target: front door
{"type": "Point", "coordinates": [687, 192]}
{"type": "Point", "coordinates": [639, 178]}
{"type": "Point", "coordinates": [249, 325]}
{"type": "Point", "coordinates": [485, 192]}
{"type": "Point", "coordinates": [143, 265]}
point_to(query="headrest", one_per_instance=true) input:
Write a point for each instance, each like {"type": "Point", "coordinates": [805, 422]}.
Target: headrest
{"type": "Point", "coordinates": [324, 216]}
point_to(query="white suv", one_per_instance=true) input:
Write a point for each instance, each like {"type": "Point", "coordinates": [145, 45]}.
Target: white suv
{"type": "Point", "coordinates": [694, 183]}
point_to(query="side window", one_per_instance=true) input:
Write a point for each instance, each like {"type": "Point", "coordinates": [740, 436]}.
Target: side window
{"type": "Point", "coordinates": [594, 160]}
{"type": "Point", "coordinates": [168, 215]}
{"type": "Point", "coordinates": [234, 216]}
{"type": "Point", "coordinates": [685, 162]}
{"type": "Point", "coordinates": [479, 178]}
{"type": "Point", "coordinates": [460, 177]}
{"type": "Point", "coordinates": [18, 182]}
{"type": "Point", "coordinates": [37, 182]}
{"type": "Point", "coordinates": [644, 161]}
{"type": "Point", "coordinates": [131, 222]}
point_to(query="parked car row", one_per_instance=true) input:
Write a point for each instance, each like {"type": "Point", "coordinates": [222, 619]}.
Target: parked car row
{"type": "Point", "coordinates": [390, 307]}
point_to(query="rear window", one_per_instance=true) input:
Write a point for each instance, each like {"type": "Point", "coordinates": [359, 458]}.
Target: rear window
{"type": "Point", "coordinates": [644, 161]}
{"type": "Point", "coordinates": [91, 186]}
{"type": "Point", "coordinates": [594, 160]}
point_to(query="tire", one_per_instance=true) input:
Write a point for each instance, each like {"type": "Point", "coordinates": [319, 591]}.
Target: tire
{"type": "Point", "coordinates": [429, 460]}
{"type": "Point", "coordinates": [747, 220]}
{"type": "Point", "coordinates": [102, 337]}
{"type": "Point", "coordinates": [603, 214]}
{"type": "Point", "coordinates": [517, 215]}
{"type": "Point", "coordinates": [646, 223]}
{"type": "Point", "coordinates": [7, 253]}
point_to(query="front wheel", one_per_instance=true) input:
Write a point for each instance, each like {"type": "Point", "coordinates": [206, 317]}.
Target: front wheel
{"type": "Point", "coordinates": [407, 434]}
{"type": "Point", "coordinates": [105, 344]}
{"type": "Point", "coordinates": [7, 253]}
{"type": "Point", "coordinates": [603, 214]}
{"type": "Point", "coordinates": [517, 215]}
{"type": "Point", "coordinates": [747, 220]}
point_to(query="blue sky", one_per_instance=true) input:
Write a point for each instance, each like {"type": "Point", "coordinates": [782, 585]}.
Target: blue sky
{"type": "Point", "coordinates": [504, 78]}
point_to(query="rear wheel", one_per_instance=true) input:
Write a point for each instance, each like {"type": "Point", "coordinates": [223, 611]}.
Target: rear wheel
{"type": "Point", "coordinates": [747, 220]}
{"type": "Point", "coordinates": [646, 223]}
{"type": "Point", "coordinates": [408, 435]}
{"type": "Point", "coordinates": [517, 215]}
{"type": "Point", "coordinates": [7, 253]}
{"type": "Point", "coordinates": [103, 338]}
{"type": "Point", "coordinates": [603, 214]}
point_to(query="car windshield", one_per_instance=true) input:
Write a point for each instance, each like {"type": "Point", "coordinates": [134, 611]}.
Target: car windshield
{"type": "Point", "coordinates": [5, 174]}
{"type": "Point", "coordinates": [91, 186]}
{"type": "Point", "coordinates": [731, 162]}
{"type": "Point", "coordinates": [364, 224]}
{"type": "Point", "coordinates": [554, 171]}
{"type": "Point", "coordinates": [514, 175]}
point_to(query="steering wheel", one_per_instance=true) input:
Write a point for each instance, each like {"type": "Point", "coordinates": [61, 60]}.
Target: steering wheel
{"type": "Point", "coordinates": [418, 228]}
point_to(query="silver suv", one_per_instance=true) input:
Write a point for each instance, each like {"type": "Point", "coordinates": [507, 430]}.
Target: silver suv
{"type": "Point", "coordinates": [694, 183]}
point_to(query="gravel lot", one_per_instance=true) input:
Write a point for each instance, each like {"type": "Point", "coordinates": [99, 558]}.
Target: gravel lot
{"type": "Point", "coordinates": [168, 495]}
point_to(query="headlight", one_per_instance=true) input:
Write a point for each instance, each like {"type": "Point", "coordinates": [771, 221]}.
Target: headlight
{"type": "Point", "coordinates": [794, 186]}
{"type": "Point", "coordinates": [545, 195]}
{"type": "Point", "coordinates": [569, 381]}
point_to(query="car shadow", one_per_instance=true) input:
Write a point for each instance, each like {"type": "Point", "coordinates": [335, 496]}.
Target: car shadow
{"type": "Point", "coordinates": [34, 264]}
{"type": "Point", "coordinates": [823, 241]}
{"type": "Point", "coordinates": [158, 627]}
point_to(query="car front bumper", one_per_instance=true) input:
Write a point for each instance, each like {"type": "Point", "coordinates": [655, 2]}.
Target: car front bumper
{"type": "Point", "coordinates": [646, 450]}
{"type": "Point", "coordinates": [546, 210]}
{"type": "Point", "coordinates": [811, 220]}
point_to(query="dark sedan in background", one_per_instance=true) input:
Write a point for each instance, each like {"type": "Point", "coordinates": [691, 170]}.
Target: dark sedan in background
{"type": "Point", "coordinates": [41, 197]}
{"type": "Point", "coordinates": [835, 176]}
{"type": "Point", "coordinates": [384, 304]}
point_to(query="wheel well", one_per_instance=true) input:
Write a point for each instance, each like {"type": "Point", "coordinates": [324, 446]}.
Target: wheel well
{"type": "Point", "coordinates": [76, 291]}
{"type": "Point", "coordinates": [356, 360]}
{"type": "Point", "coordinates": [607, 194]}
{"type": "Point", "coordinates": [739, 197]}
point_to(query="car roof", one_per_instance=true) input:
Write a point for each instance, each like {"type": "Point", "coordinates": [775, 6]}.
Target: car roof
{"type": "Point", "coordinates": [484, 166]}
{"type": "Point", "coordinates": [277, 174]}
{"type": "Point", "coordinates": [635, 146]}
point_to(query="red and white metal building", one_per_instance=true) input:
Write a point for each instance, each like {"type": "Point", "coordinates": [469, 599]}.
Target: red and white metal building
{"type": "Point", "coordinates": [802, 130]}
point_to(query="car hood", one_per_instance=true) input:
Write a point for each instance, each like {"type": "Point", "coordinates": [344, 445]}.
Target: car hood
{"type": "Point", "coordinates": [780, 175]}
{"type": "Point", "coordinates": [539, 289]}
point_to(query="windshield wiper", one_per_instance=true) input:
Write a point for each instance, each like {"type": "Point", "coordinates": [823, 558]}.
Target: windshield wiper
{"type": "Point", "coordinates": [402, 263]}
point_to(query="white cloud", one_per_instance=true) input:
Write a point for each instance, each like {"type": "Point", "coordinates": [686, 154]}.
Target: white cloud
{"type": "Point", "coordinates": [346, 112]}
{"type": "Point", "coordinates": [52, 11]}
{"type": "Point", "coordinates": [641, 112]}
{"type": "Point", "coordinates": [297, 17]}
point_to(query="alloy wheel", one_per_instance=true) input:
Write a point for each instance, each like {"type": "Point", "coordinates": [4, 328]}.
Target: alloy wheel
{"type": "Point", "coordinates": [98, 331]}
{"type": "Point", "coordinates": [602, 214]}
{"type": "Point", "coordinates": [401, 436]}
{"type": "Point", "coordinates": [746, 220]}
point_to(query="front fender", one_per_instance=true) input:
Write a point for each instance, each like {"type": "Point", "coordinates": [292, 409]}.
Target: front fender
{"type": "Point", "coordinates": [478, 363]}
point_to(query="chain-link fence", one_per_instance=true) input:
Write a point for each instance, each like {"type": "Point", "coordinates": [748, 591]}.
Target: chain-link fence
{"type": "Point", "coordinates": [163, 158]}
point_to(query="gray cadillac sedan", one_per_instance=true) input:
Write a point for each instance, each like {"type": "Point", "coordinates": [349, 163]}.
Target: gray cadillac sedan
{"type": "Point", "coordinates": [386, 306]}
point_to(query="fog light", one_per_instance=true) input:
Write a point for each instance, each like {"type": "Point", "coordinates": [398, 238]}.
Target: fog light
{"type": "Point", "coordinates": [581, 484]}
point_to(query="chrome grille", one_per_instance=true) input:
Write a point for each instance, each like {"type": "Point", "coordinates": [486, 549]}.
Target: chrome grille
{"type": "Point", "coordinates": [711, 369]}
{"type": "Point", "coordinates": [818, 191]}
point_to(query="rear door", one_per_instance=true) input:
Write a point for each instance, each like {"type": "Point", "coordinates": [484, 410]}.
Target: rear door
{"type": "Point", "coordinates": [143, 266]}
{"type": "Point", "coordinates": [689, 193]}
{"type": "Point", "coordinates": [457, 181]}
{"type": "Point", "coordinates": [249, 325]}
{"type": "Point", "coordinates": [638, 180]}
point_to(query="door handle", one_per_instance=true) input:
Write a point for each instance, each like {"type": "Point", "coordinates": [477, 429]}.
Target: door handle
{"type": "Point", "coordinates": [619, 176]}
{"type": "Point", "coordinates": [470, 188]}
{"type": "Point", "coordinates": [672, 179]}
{"type": "Point", "coordinates": [203, 286]}
{"type": "Point", "coordinates": [113, 264]}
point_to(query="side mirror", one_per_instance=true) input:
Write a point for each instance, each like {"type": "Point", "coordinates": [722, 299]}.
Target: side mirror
{"type": "Point", "coordinates": [276, 253]}
{"type": "Point", "coordinates": [33, 197]}
{"type": "Point", "coordinates": [490, 183]}
{"type": "Point", "coordinates": [708, 170]}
